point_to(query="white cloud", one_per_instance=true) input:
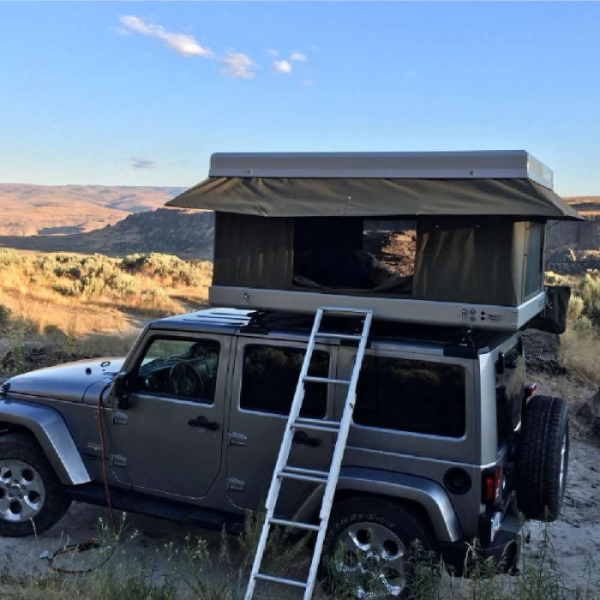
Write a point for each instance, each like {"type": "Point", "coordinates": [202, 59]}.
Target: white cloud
{"type": "Point", "coordinates": [273, 52]}
{"type": "Point", "coordinates": [180, 42]}
{"type": "Point", "coordinates": [238, 65]}
{"type": "Point", "coordinates": [298, 56]}
{"type": "Point", "coordinates": [282, 66]}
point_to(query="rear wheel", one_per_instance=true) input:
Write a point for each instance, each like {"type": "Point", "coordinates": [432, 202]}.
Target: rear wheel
{"type": "Point", "coordinates": [543, 458]}
{"type": "Point", "coordinates": [368, 546]}
{"type": "Point", "coordinates": [31, 497]}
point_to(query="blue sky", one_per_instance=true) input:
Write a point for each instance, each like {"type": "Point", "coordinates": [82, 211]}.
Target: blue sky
{"type": "Point", "coordinates": [141, 93]}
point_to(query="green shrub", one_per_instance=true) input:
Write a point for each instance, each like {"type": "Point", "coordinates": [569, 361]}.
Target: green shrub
{"type": "Point", "coordinates": [9, 257]}
{"type": "Point", "coordinates": [5, 313]}
{"type": "Point", "coordinates": [553, 278]}
{"type": "Point", "coordinates": [589, 290]}
{"type": "Point", "coordinates": [583, 325]}
{"type": "Point", "coordinates": [189, 273]}
{"type": "Point", "coordinates": [576, 308]}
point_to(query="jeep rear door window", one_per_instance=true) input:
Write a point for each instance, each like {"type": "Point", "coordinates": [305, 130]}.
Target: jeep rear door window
{"type": "Point", "coordinates": [185, 369]}
{"type": "Point", "coordinates": [270, 377]}
{"type": "Point", "coordinates": [412, 396]}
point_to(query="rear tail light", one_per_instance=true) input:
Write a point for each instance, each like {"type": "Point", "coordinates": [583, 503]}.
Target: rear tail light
{"type": "Point", "coordinates": [530, 390]}
{"type": "Point", "coordinates": [492, 485]}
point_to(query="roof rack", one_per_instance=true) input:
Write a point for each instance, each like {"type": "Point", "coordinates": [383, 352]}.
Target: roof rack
{"type": "Point", "coordinates": [462, 339]}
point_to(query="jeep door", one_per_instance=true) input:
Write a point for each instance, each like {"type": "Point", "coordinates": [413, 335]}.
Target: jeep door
{"type": "Point", "coordinates": [265, 378]}
{"type": "Point", "coordinates": [172, 438]}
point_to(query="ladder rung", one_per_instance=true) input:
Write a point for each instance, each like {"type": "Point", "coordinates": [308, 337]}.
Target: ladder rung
{"type": "Point", "coordinates": [304, 474]}
{"type": "Point", "coordinates": [352, 311]}
{"type": "Point", "coordinates": [286, 523]}
{"type": "Point", "coordinates": [282, 580]}
{"type": "Point", "coordinates": [310, 421]}
{"type": "Point", "coordinates": [312, 379]}
{"type": "Point", "coordinates": [326, 426]}
{"type": "Point", "coordinates": [340, 336]}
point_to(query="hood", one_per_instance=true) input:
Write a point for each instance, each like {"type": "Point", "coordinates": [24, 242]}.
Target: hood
{"type": "Point", "coordinates": [67, 382]}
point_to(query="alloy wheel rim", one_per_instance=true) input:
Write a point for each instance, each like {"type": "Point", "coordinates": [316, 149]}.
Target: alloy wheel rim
{"type": "Point", "coordinates": [22, 491]}
{"type": "Point", "coordinates": [372, 558]}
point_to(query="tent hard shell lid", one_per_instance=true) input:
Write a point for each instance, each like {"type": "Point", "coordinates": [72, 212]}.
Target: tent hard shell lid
{"type": "Point", "coordinates": [477, 236]}
{"type": "Point", "coordinates": [504, 183]}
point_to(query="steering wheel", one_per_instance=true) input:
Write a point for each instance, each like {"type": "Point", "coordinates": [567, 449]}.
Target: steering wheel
{"type": "Point", "coordinates": [185, 380]}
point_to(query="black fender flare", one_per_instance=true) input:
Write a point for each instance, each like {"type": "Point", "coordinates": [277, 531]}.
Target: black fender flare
{"type": "Point", "coordinates": [397, 486]}
{"type": "Point", "coordinates": [51, 432]}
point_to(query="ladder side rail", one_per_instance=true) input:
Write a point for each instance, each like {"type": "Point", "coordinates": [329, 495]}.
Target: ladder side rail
{"type": "Point", "coordinates": [295, 408]}
{"type": "Point", "coordinates": [338, 455]}
{"type": "Point", "coordinates": [282, 458]}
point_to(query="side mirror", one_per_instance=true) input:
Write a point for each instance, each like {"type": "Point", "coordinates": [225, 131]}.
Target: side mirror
{"type": "Point", "coordinates": [123, 389]}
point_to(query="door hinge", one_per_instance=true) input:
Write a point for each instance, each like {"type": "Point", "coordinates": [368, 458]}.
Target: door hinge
{"type": "Point", "coordinates": [116, 460]}
{"type": "Point", "coordinates": [236, 439]}
{"type": "Point", "coordinates": [235, 485]}
{"type": "Point", "coordinates": [120, 418]}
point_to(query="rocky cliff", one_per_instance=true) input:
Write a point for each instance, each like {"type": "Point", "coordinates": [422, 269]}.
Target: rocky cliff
{"type": "Point", "coordinates": [572, 246]}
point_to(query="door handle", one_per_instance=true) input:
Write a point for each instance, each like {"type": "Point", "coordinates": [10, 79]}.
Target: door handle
{"type": "Point", "coordinates": [302, 439]}
{"type": "Point", "coordinates": [203, 423]}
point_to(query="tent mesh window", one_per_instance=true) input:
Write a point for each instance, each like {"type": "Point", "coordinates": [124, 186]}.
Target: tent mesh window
{"type": "Point", "coordinates": [354, 255]}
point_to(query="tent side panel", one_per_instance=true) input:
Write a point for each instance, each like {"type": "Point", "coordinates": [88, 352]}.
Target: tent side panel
{"type": "Point", "coordinates": [253, 251]}
{"type": "Point", "coordinates": [463, 261]}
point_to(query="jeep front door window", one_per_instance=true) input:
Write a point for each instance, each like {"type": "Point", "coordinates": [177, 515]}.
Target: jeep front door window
{"type": "Point", "coordinates": [171, 440]}
{"type": "Point", "coordinates": [185, 369]}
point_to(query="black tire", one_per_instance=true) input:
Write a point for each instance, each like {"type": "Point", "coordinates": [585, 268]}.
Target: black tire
{"type": "Point", "coordinates": [407, 524]}
{"type": "Point", "coordinates": [540, 454]}
{"type": "Point", "coordinates": [22, 447]}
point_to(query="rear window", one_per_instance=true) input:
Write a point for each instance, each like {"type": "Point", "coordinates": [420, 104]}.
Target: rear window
{"type": "Point", "coordinates": [270, 377]}
{"type": "Point", "coordinates": [412, 396]}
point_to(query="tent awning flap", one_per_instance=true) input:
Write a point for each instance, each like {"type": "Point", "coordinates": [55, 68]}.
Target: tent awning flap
{"type": "Point", "coordinates": [369, 197]}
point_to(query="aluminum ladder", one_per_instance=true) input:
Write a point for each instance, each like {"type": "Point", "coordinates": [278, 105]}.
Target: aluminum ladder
{"type": "Point", "coordinates": [329, 478]}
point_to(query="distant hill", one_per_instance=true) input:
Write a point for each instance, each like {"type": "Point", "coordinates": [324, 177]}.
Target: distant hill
{"type": "Point", "coordinates": [187, 234]}
{"type": "Point", "coordinates": [120, 220]}
{"type": "Point", "coordinates": [50, 210]}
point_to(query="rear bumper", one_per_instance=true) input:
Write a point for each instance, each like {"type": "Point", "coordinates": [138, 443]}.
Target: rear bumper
{"type": "Point", "coordinates": [500, 555]}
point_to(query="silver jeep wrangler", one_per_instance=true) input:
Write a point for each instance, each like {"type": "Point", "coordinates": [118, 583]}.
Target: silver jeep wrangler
{"type": "Point", "coordinates": [448, 443]}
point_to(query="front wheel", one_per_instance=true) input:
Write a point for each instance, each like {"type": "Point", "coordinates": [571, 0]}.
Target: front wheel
{"type": "Point", "coordinates": [31, 497]}
{"type": "Point", "coordinates": [369, 545]}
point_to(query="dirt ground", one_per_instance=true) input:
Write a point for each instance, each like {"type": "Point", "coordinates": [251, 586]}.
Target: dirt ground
{"type": "Point", "coordinates": [575, 536]}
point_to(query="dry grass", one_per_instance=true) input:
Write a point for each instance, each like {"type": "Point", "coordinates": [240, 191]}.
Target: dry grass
{"type": "Point", "coordinates": [579, 352]}
{"type": "Point", "coordinates": [198, 572]}
{"type": "Point", "coordinates": [580, 344]}
{"type": "Point", "coordinates": [77, 296]}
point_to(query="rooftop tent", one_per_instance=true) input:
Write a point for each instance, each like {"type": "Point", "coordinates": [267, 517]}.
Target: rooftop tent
{"type": "Point", "coordinates": [474, 222]}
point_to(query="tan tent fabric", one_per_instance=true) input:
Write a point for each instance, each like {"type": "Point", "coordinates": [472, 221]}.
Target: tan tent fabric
{"type": "Point", "coordinates": [477, 263]}
{"type": "Point", "coordinates": [312, 197]}
{"type": "Point", "coordinates": [255, 252]}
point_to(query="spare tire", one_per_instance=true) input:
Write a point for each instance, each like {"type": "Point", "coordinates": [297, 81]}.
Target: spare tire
{"type": "Point", "coordinates": [542, 458]}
